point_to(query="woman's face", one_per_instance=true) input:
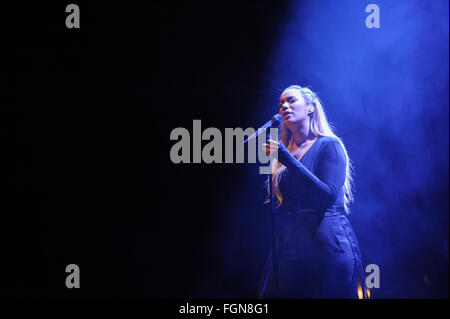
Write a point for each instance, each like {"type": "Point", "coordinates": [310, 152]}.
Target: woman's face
{"type": "Point", "coordinates": [293, 107]}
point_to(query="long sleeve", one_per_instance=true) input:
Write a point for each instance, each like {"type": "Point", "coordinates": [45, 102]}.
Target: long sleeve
{"type": "Point", "coordinates": [329, 177]}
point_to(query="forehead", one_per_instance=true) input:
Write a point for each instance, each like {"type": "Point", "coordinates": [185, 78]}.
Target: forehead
{"type": "Point", "coordinates": [289, 93]}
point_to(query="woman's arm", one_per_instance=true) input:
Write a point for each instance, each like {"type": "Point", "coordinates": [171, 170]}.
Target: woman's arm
{"type": "Point", "coordinates": [329, 178]}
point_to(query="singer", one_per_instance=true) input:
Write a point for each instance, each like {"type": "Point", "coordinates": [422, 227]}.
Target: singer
{"type": "Point", "coordinates": [316, 254]}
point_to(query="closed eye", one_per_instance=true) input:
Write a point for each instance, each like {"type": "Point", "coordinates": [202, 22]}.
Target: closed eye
{"type": "Point", "coordinates": [290, 100]}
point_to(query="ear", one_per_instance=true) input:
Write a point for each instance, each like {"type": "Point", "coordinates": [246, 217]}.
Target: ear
{"type": "Point", "coordinates": [311, 109]}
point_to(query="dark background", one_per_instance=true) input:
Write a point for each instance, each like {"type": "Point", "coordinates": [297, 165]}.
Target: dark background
{"type": "Point", "coordinates": [86, 172]}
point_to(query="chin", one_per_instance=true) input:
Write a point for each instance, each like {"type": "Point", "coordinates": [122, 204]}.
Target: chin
{"type": "Point", "coordinates": [290, 120]}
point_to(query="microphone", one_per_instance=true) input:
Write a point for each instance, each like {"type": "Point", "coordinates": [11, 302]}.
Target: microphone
{"type": "Point", "coordinates": [274, 121]}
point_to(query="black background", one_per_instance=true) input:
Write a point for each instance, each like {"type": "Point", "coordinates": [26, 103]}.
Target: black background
{"type": "Point", "coordinates": [87, 177]}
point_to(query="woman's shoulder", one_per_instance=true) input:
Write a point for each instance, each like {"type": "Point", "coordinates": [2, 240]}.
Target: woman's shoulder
{"type": "Point", "coordinates": [327, 142]}
{"type": "Point", "coordinates": [325, 139]}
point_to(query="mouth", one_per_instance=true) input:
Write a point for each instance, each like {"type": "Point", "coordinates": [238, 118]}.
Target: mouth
{"type": "Point", "coordinates": [286, 115]}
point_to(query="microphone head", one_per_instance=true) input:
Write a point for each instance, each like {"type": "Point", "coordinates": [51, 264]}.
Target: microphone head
{"type": "Point", "coordinates": [277, 119]}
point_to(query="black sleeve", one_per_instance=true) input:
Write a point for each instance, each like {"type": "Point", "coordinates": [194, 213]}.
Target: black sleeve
{"type": "Point", "coordinates": [329, 178]}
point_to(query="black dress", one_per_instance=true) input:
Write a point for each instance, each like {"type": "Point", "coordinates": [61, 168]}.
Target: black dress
{"type": "Point", "coordinates": [316, 251]}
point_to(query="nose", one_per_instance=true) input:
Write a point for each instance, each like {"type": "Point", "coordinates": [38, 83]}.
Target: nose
{"type": "Point", "coordinates": [285, 106]}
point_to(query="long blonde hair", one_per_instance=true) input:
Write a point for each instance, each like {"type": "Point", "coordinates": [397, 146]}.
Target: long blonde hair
{"type": "Point", "coordinates": [319, 126]}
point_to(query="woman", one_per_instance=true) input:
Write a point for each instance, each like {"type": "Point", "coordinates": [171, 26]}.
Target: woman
{"type": "Point", "coordinates": [316, 252]}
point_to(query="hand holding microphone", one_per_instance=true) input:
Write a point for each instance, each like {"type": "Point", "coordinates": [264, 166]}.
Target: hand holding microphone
{"type": "Point", "coordinates": [271, 147]}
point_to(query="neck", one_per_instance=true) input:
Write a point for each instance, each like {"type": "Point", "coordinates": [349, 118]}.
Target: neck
{"type": "Point", "coordinates": [302, 134]}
